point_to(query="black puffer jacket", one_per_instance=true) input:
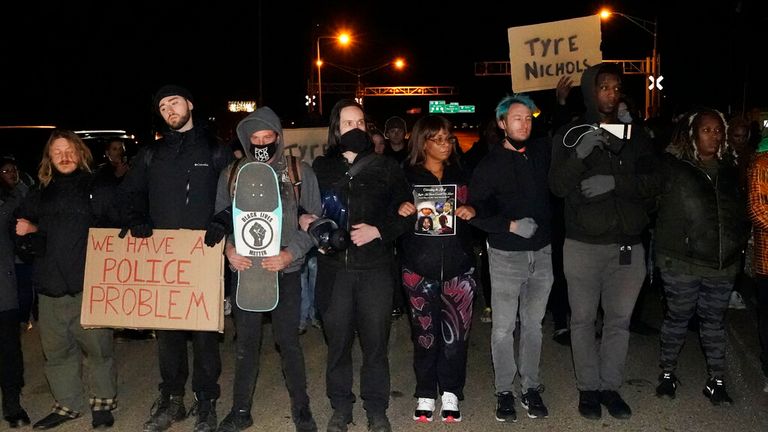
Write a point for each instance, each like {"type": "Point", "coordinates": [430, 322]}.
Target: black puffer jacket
{"type": "Point", "coordinates": [439, 257]}
{"type": "Point", "coordinates": [372, 197]}
{"type": "Point", "coordinates": [701, 220]}
{"type": "Point", "coordinates": [63, 212]}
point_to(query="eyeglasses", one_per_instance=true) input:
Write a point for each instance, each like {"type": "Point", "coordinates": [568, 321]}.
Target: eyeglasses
{"type": "Point", "coordinates": [441, 141]}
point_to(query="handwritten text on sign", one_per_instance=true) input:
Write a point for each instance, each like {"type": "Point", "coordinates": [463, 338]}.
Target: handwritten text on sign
{"type": "Point", "coordinates": [170, 280]}
{"type": "Point", "coordinates": [541, 54]}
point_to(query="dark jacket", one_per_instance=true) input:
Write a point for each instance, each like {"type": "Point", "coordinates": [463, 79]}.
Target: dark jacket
{"type": "Point", "coordinates": [617, 216]}
{"type": "Point", "coordinates": [9, 201]}
{"type": "Point", "coordinates": [439, 257]}
{"type": "Point", "coordinates": [508, 185]}
{"type": "Point", "coordinates": [63, 212]}
{"type": "Point", "coordinates": [372, 197]}
{"type": "Point", "coordinates": [175, 178]}
{"type": "Point", "coordinates": [701, 220]}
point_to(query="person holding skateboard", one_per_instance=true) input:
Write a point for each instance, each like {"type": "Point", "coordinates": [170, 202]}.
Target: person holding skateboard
{"type": "Point", "coordinates": [262, 138]}
{"type": "Point", "coordinates": [172, 185]}
{"type": "Point", "coordinates": [355, 286]}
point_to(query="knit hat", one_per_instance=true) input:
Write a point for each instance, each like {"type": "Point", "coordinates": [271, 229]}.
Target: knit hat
{"type": "Point", "coordinates": [394, 122]}
{"type": "Point", "coordinates": [171, 90]}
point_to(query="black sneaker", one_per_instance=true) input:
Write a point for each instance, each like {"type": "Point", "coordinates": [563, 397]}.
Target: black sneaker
{"type": "Point", "coordinates": [505, 407]}
{"type": "Point", "coordinates": [339, 421]}
{"type": "Point", "coordinates": [236, 421]}
{"type": "Point", "coordinates": [589, 404]}
{"type": "Point", "coordinates": [303, 419]}
{"type": "Point", "coordinates": [667, 385]}
{"type": "Point", "coordinates": [531, 401]}
{"type": "Point", "coordinates": [165, 411]}
{"type": "Point", "coordinates": [714, 390]}
{"type": "Point", "coordinates": [102, 419]}
{"type": "Point", "coordinates": [617, 408]}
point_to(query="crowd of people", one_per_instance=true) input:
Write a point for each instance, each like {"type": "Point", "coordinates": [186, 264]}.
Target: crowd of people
{"type": "Point", "coordinates": [525, 220]}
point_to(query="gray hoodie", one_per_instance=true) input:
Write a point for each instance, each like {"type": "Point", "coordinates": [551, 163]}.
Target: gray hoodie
{"type": "Point", "coordinates": [297, 242]}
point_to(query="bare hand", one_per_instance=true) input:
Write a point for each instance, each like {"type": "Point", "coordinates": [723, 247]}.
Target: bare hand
{"type": "Point", "coordinates": [406, 209]}
{"type": "Point", "coordinates": [563, 88]}
{"type": "Point", "coordinates": [305, 220]}
{"type": "Point", "coordinates": [363, 233]}
{"type": "Point", "coordinates": [24, 227]}
{"type": "Point", "coordinates": [465, 212]}
{"type": "Point", "coordinates": [277, 262]}
{"type": "Point", "coordinates": [237, 261]}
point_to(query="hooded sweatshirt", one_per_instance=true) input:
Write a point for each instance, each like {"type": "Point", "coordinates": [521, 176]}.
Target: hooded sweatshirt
{"type": "Point", "coordinates": [617, 216]}
{"type": "Point", "coordinates": [293, 239]}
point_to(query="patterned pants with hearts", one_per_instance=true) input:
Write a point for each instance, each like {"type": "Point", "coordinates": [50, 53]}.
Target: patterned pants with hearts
{"type": "Point", "coordinates": [441, 317]}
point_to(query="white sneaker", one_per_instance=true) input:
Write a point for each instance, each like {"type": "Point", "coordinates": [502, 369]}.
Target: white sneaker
{"type": "Point", "coordinates": [736, 302]}
{"type": "Point", "coordinates": [450, 408]}
{"type": "Point", "coordinates": [424, 409]}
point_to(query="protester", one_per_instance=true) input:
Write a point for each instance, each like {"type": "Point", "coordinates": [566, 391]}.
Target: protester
{"type": "Point", "coordinates": [55, 219]}
{"type": "Point", "coordinates": [701, 229]}
{"type": "Point", "coordinates": [11, 357]}
{"type": "Point", "coordinates": [608, 185]}
{"type": "Point", "coordinates": [262, 130]}
{"type": "Point", "coordinates": [437, 275]}
{"type": "Point", "coordinates": [172, 185]}
{"type": "Point", "coordinates": [395, 131]}
{"type": "Point", "coordinates": [510, 191]}
{"type": "Point", "coordinates": [355, 286]}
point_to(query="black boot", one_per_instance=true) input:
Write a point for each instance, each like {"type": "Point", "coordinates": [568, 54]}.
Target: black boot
{"type": "Point", "coordinates": [13, 413]}
{"type": "Point", "coordinates": [206, 415]}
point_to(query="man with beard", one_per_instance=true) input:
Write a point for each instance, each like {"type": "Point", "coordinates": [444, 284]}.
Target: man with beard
{"type": "Point", "coordinates": [172, 185]}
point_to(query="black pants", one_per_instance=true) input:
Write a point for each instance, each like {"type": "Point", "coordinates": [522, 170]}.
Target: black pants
{"type": "Point", "coordinates": [762, 327]}
{"type": "Point", "coordinates": [174, 366]}
{"type": "Point", "coordinates": [356, 301]}
{"type": "Point", "coordinates": [285, 324]}
{"type": "Point", "coordinates": [11, 359]}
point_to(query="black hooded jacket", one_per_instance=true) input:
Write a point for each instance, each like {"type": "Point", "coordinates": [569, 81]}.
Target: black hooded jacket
{"type": "Point", "coordinates": [617, 216]}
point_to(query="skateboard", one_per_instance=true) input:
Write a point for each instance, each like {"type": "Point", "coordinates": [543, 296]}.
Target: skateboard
{"type": "Point", "coordinates": [257, 214]}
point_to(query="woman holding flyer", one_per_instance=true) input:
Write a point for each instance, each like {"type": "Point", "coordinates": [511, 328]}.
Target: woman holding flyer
{"type": "Point", "coordinates": [437, 271]}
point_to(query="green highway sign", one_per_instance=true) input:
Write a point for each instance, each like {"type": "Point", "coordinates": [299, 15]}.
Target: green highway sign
{"type": "Point", "coordinates": [440, 107]}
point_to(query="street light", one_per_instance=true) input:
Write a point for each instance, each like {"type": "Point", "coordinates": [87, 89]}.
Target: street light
{"type": "Point", "coordinates": [651, 28]}
{"type": "Point", "coordinates": [343, 39]}
{"type": "Point", "coordinates": [398, 63]}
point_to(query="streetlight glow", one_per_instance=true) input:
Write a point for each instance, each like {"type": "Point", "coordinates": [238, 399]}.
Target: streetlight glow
{"type": "Point", "coordinates": [343, 39]}
{"type": "Point", "coordinates": [399, 63]}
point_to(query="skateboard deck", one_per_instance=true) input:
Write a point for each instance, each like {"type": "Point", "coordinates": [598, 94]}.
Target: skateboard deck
{"type": "Point", "coordinates": [257, 214]}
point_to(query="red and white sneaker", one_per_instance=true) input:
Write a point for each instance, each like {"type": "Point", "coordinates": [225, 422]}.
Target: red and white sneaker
{"type": "Point", "coordinates": [450, 408]}
{"type": "Point", "coordinates": [424, 410]}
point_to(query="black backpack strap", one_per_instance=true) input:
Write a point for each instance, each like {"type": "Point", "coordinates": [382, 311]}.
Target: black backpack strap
{"type": "Point", "coordinates": [294, 172]}
{"type": "Point", "coordinates": [356, 168]}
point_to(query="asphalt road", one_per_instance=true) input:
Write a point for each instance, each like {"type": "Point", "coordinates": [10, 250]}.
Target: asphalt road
{"type": "Point", "coordinates": [690, 411]}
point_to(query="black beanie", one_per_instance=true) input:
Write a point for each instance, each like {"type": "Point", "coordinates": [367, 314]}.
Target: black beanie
{"type": "Point", "coordinates": [171, 90]}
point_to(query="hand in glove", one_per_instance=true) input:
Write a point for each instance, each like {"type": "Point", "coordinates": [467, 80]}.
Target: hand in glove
{"type": "Point", "coordinates": [597, 185]}
{"type": "Point", "coordinates": [220, 226]}
{"type": "Point", "coordinates": [139, 230]}
{"type": "Point", "coordinates": [588, 142]}
{"type": "Point", "coordinates": [525, 227]}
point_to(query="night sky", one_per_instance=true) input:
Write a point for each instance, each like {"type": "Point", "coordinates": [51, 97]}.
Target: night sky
{"type": "Point", "coordinates": [97, 66]}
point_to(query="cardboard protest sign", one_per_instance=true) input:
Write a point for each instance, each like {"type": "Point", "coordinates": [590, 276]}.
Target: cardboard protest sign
{"type": "Point", "coordinates": [170, 280]}
{"type": "Point", "coordinates": [541, 54]}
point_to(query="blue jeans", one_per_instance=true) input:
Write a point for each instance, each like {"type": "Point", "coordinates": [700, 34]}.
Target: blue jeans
{"type": "Point", "coordinates": [518, 279]}
{"type": "Point", "coordinates": [308, 277]}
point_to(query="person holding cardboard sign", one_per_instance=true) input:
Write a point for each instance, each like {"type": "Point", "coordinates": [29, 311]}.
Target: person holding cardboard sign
{"type": "Point", "coordinates": [54, 220]}
{"type": "Point", "coordinates": [172, 185]}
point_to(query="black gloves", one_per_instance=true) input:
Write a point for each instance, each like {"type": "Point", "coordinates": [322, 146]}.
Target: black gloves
{"type": "Point", "coordinates": [589, 142]}
{"type": "Point", "coordinates": [138, 230]}
{"type": "Point", "coordinates": [220, 226]}
{"type": "Point", "coordinates": [30, 246]}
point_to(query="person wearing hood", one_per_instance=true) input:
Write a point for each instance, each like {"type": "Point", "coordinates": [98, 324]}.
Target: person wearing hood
{"type": "Point", "coordinates": [55, 218]}
{"type": "Point", "coordinates": [262, 138]}
{"type": "Point", "coordinates": [515, 210]}
{"type": "Point", "coordinates": [355, 286]}
{"type": "Point", "coordinates": [757, 207]}
{"type": "Point", "coordinates": [171, 184]}
{"type": "Point", "coordinates": [609, 185]}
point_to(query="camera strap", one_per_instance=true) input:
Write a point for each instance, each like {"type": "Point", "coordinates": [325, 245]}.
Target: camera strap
{"type": "Point", "coordinates": [356, 168]}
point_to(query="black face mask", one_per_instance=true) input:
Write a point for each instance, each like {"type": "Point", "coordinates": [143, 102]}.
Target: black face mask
{"type": "Point", "coordinates": [355, 141]}
{"type": "Point", "coordinates": [264, 153]}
